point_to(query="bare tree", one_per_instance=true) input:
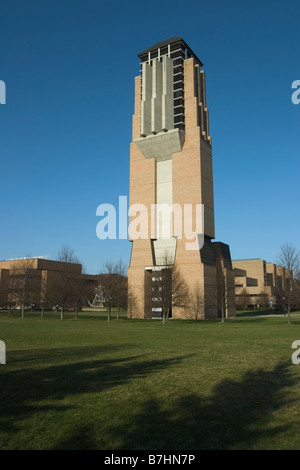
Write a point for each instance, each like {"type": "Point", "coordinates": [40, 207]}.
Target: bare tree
{"type": "Point", "coordinates": [263, 298]}
{"type": "Point", "coordinates": [288, 299]}
{"type": "Point", "coordinates": [242, 300]}
{"type": "Point", "coordinates": [66, 255]}
{"type": "Point", "coordinates": [289, 258]}
{"type": "Point", "coordinates": [225, 289]}
{"type": "Point", "coordinates": [196, 302]}
{"type": "Point", "coordinates": [288, 292]}
{"type": "Point", "coordinates": [63, 289]}
{"type": "Point", "coordinates": [4, 289]}
{"type": "Point", "coordinates": [225, 281]}
{"type": "Point", "coordinates": [3, 296]}
{"type": "Point", "coordinates": [113, 287]}
{"type": "Point", "coordinates": [131, 301]}
{"type": "Point", "coordinates": [168, 288]}
{"type": "Point", "coordinates": [80, 290]}
{"type": "Point", "coordinates": [22, 283]}
{"type": "Point", "coordinates": [107, 287]}
{"type": "Point", "coordinates": [121, 286]}
{"type": "Point", "coordinates": [43, 292]}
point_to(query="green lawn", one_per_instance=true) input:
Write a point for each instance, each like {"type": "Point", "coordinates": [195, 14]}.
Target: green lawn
{"type": "Point", "coordinates": [137, 384]}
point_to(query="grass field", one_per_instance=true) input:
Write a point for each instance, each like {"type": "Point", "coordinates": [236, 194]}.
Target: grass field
{"type": "Point", "coordinates": [137, 384]}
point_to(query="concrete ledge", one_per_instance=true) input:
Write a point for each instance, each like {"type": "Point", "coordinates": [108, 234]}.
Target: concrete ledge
{"type": "Point", "coordinates": [161, 145]}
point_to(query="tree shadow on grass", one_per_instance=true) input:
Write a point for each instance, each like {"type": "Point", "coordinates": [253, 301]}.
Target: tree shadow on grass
{"type": "Point", "coordinates": [38, 357]}
{"type": "Point", "coordinates": [236, 416]}
{"type": "Point", "coordinates": [23, 392]}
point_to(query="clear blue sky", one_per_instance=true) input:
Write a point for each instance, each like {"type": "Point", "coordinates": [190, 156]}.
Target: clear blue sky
{"type": "Point", "coordinates": [69, 68]}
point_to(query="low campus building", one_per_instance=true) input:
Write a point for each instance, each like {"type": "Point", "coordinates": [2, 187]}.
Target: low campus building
{"type": "Point", "coordinates": [256, 282]}
{"type": "Point", "coordinates": [41, 282]}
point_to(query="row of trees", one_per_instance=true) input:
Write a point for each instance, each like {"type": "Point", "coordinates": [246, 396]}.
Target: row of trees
{"type": "Point", "coordinates": [168, 288]}
{"type": "Point", "coordinates": [285, 294]}
{"type": "Point", "coordinates": [112, 290]}
{"type": "Point", "coordinates": [29, 288]}
{"type": "Point", "coordinates": [288, 294]}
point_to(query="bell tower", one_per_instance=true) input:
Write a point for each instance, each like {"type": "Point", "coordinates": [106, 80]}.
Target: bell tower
{"type": "Point", "coordinates": [171, 166]}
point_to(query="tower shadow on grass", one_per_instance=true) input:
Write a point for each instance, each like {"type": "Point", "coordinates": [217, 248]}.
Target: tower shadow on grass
{"type": "Point", "coordinates": [36, 389]}
{"type": "Point", "coordinates": [236, 416]}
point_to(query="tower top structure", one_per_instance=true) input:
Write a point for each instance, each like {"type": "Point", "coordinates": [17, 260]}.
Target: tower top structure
{"type": "Point", "coordinates": [175, 47]}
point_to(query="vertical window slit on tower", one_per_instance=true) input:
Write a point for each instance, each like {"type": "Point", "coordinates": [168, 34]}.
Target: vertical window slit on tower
{"type": "Point", "coordinates": [178, 52]}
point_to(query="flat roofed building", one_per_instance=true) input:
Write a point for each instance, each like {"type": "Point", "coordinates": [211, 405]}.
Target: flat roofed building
{"type": "Point", "coordinates": [42, 281]}
{"type": "Point", "coordinates": [257, 280]}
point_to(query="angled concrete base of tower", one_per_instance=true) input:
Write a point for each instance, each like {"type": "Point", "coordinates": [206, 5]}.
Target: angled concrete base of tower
{"type": "Point", "coordinates": [171, 166]}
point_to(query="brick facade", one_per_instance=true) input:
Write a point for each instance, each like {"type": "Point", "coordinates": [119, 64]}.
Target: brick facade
{"type": "Point", "coordinates": [192, 183]}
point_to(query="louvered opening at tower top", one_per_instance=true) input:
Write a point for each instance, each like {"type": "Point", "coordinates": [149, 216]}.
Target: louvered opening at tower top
{"type": "Point", "coordinates": [178, 51]}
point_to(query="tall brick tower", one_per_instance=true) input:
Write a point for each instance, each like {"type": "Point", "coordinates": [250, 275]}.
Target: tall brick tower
{"type": "Point", "coordinates": [171, 164]}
